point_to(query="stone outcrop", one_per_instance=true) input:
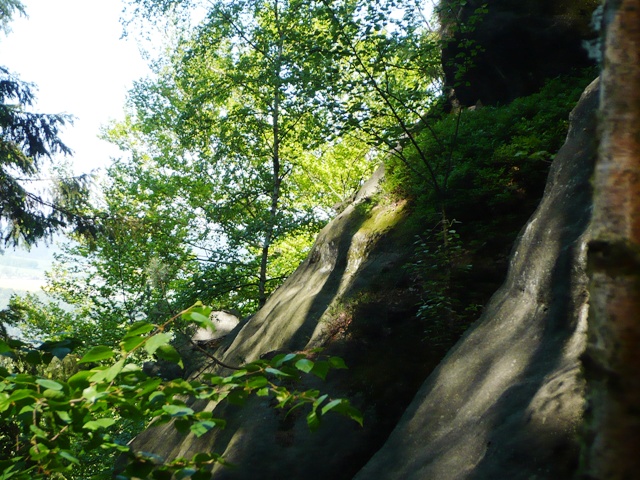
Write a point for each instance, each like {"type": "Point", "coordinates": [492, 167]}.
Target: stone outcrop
{"type": "Point", "coordinates": [352, 297]}
{"type": "Point", "coordinates": [507, 401]}
{"type": "Point", "coordinates": [510, 50]}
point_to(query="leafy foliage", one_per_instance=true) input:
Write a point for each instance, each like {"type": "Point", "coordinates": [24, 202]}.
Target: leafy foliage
{"type": "Point", "coordinates": [8, 8]}
{"type": "Point", "coordinates": [499, 156]}
{"type": "Point", "coordinates": [49, 423]}
{"type": "Point", "coordinates": [25, 139]}
{"type": "Point", "coordinates": [497, 165]}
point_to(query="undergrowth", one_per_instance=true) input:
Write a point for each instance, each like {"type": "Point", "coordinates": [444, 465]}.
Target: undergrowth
{"type": "Point", "coordinates": [492, 163]}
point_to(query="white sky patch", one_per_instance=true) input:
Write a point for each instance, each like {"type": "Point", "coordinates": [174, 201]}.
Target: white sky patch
{"type": "Point", "coordinates": [72, 51]}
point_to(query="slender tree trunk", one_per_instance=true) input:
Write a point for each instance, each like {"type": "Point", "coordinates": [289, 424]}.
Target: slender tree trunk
{"type": "Point", "coordinates": [275, 198]}
{"type": "Point", "coordinates": [275, 165]}
{"type": "Point", "coordinates": [612, 361]}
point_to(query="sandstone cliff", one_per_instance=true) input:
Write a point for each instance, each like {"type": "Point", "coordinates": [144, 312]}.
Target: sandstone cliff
{"type": "Point", "coordinates": [506, 401]}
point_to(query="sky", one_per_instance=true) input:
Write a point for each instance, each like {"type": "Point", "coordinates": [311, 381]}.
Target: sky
{"type": "Point", "coordinates": [73, 51]}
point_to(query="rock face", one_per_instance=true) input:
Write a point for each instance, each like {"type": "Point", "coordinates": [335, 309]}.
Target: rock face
{"type": "Point", "coordinates": [351, 296]}
{"type": "Point", "coordinates": [512, 48]}
{"type": "Point", "coordinates": [507, 401]}
{"type": "Point", "coordinates": [504, 403]}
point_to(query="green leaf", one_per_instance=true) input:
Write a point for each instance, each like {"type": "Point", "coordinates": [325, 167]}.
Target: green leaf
{"type": "Point", "coordinates": [117, 446]}
{"type": "Point", "coordinates": [128, 344]}
{"type": "Point", "coordinates": [305, 365]}
{"type": "Point", "coordinates": [157, 341]}
{"type": "Point", "coordinates": [167, 352]}
{"type": "Point", "coordinates": [21, 395]}
{"type": "Point", "coordinates": [23, 378]}
{"type": "Point", "coordinates": [67, 456]}
{"type": "Point", "coordinates": [202, 457]}
{"type": "Point", "coordinates": [200, 316]}
{"type": "Point", "coordinates": [4, 347]}
{"type": "Point", "coordinates": [94, 425]}
{"type": "Point", "coordinates": [319, 400]}
{"type": "Point", "coordinates": [182, 424]}
{"type": "Point", "coordinates": [157, 397]}
{"type": "Point", "coordinates": [91, 394]}
{"type": "Point", "coordinates": [344, 407]}
{"type": "Point", "coordinates": [50, 384]}
{"type": "Point", "coordinates": [38, 451]}
{"type": "Point", "coordinates": [64, 416]}
{"type": "Point", "coordinates": [313, 421]}
{"type": "Point", "coordinates": [148, 386]}
{"type": "Point", "coordinates": [196, 317]}
{"type": "Point", "coordinates": [139, 328]}
{"type": "Point", "coordinates": [80, 379]}
{"type": "Point", "coordinates": [278, 360]}
{"type": "Point", "coordinates": [140, 469]}
{"type": "Point", "coordinates": [337, 363]}
{"type": "Point", "coordinates": [276, 372]}
{"type": "Point", "coordinates": [131, 368]}
{"type": "Point", "coordinates": [109, 374]}
{"type": "Point", "coordinates": [320, 369]}
{"type": "Point", "coordinates": [185, 473]}
{"type": "Point", "coordinates": [257, 382]}
{"type": "Point", "coordinates": [332, 404]}
{"type": "Point", "coordinates": [53, 394]}
{"type": "Point", "coordinates": [177, 410]}
{"type": "Point", "coordinates": [33, 357]}
{"type": "Point", "coordinates": [237, 397]}
{"type": "Point", "coordinates": [96, 354]}
{"type": "Point", "coordinates": [38, 432]}
{"type": "Point", "coordinates": [200, 428]}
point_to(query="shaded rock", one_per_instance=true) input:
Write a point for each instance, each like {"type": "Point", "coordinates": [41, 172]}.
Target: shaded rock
{"type": "Point", "coordinates": [351, 297]}
{"type": "Point", "coordinates": [163, 369]}
{"type": "Point", "coordinates": [505, 403]}
{"type": "Point", "coordinates": [509, 51]}
{"type": "Point", "coordinates": [507, 400]}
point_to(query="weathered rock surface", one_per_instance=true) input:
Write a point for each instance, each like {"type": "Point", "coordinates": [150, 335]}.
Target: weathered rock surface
{"type": "Point", "coordinates": [508, 399]}
{"type": "Point", "coordinates": [505, 402]}
{"type": "Point", "coordinates": [510, 50]}
{"type": "Point", "coordinates": [352, 297]}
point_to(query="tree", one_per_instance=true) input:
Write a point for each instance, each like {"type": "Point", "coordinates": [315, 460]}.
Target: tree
{"type": "Point", "coordinates": [7, 10]}
{"type": "Point", "coordinates": [237, 124]}
{"type": "Point", "coordinates": [26, 139]}
{"type": "Point", "coordinates": [390, 80]}
{"type": "Point", "coordinates": [614, 327]}
{"type": "Point", "coordinates": [256, 100]}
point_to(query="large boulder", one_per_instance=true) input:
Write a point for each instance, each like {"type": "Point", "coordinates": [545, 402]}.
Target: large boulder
{"type": "Point", "coordinates": [508, 51]}
{"type": "Point", "coordinates": [352, 297]}
{"type": "Point", "coordinates": [508, 400]}
{"type": "Point", "coordinates": [505, 403]}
